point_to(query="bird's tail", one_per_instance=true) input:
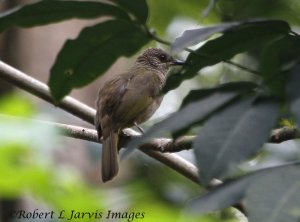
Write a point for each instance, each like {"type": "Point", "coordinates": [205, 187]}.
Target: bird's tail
{"type": "Point", "coordinates": [110, 159]}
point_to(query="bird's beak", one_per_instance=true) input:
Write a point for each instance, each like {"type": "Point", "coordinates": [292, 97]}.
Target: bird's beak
{"type": "Point", "coordinates": [176, 62]}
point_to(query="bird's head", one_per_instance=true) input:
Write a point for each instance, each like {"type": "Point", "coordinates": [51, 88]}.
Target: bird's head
{"type": "Point", "coordinates": [157, 59]}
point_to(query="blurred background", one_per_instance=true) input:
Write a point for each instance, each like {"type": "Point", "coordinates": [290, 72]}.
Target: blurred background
{"type": "Point", "coordinates": [41, 170]}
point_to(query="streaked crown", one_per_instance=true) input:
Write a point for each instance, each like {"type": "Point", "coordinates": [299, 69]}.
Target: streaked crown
{"type": "Point", "coordinates": [156, 59]}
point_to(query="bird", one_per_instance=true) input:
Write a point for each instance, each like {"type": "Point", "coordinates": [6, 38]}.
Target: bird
{"type": "Point", "coordinates": [129, 99]}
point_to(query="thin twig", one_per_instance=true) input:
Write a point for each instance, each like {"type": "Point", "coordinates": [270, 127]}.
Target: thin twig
{"type": "Point", "coordinates": [283, 134]}
{"type": "Point", "coordinates": [41, 90]}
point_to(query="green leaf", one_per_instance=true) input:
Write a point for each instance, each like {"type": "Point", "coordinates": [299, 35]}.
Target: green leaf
{"type": "Point", "coordinates": [275, 61]}
{"type": "Point", "coordinates": [138, 8]}
{"type": "Point", "coordinates": [198, 94]}
{"type": "Point", "coordinates": [50, 11]}
{"type": "Point", "coordinates": [195, 36]}
{"type": "Point", "coordinates": [234, 191]}
{"type": "Point", "coordinates": [194, 95]}
{"type": "Point", "coordinates": [295, 106]}
{"type": "Point", "coordinates": [239, 39]}
{"type": "Point", "coordinates": [96, 48]}
{"type": "Point", "coordinates": [279, 202]}
{"type": "Point", "coordinates": [233, 135]}
{"type": "Point", "coordinates": [293, 90]}
{"type": "Point", "coordinates": [190, 114]}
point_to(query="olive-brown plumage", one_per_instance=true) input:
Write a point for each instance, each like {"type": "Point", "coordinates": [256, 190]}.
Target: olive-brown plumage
{"type": "Point", "coordinates": [128, 99]}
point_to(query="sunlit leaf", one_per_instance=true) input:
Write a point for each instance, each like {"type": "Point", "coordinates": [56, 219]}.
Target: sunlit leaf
{"type": "Point", "coordinates": [195, 36]}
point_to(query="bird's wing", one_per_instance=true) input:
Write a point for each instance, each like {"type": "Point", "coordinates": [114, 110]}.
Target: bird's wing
{"type": "Point", "coordinates": [131, 107]}
{"type": "Point", "coordinates": [138, 96]}
{"type": "Point", "coordinates": [110, 96]}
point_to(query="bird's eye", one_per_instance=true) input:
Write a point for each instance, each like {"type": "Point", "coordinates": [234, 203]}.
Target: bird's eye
{"type": "Point", "coordinates": [162, 58]}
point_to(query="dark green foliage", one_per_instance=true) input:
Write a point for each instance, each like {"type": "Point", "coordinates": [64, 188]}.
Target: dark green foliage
{"type": "Point", "coordinates": [199, 94]}
{"type": "Point", "coordinates": [50, 11]}
{"type": "Point", "coordinates": [277, 58]}
{"type": "Point", "coordinates": [293, 91]}
{"type": "Point", "coordinates": [236, 39]}
{"type": "Point", "coordinates": [270, 194]}
{"type": "Point", "coordinates": [240, 88]}
{"type": "Point", "coordinates": [138, 8]}
{"type": "Point", "coordinates": [217, 147]}
{"type": "Point", "coordinates": [84, 59]}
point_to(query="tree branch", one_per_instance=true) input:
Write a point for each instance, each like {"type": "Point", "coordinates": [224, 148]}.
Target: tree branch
{"type": "Point", "coordinates": [283, 134]}
{"type": "Point", "coordinates": [87, 113]}
{"type": "Point", "coordinates": [41, 90]}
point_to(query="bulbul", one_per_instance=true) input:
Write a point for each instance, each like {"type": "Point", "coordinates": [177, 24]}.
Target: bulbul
{"type": "Point", "coordinates": [129, 99]}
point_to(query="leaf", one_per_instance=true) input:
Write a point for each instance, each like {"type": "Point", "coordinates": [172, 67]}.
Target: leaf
{"type": "Point", "coordinates": [275, 197]}
{"type": "Point", "coordinates": [194, 36]}
{"type": "Point", "coordinates": [191, 113]}
{"type": "Point", "coordinates": [239, 39]}
{"type": "Point", "coordinates": [242, 38]}
{"type": "Point", "coordinates": [221, 197]}
{"type": "Point", "coordinates": [96, 48]}
{"type": "Point", "coordinates": [295, 106]}
{"type": "Point", "coordinates": [232, 192]}
{"type": "Point", "coordinates": [50, 11]}
{"type": "Point", "coordinates": [198, 94]}
{"type": "Point", "coordinates": [276, 59]}
{"type": "Point", "coordinates": [293, 90]}
{"type": "Point", "coordinates": [138, 8]}
{"type": "Point", "coordinates": [236, 87]}
{"type": "Point", "coordinates": [233, 135]}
